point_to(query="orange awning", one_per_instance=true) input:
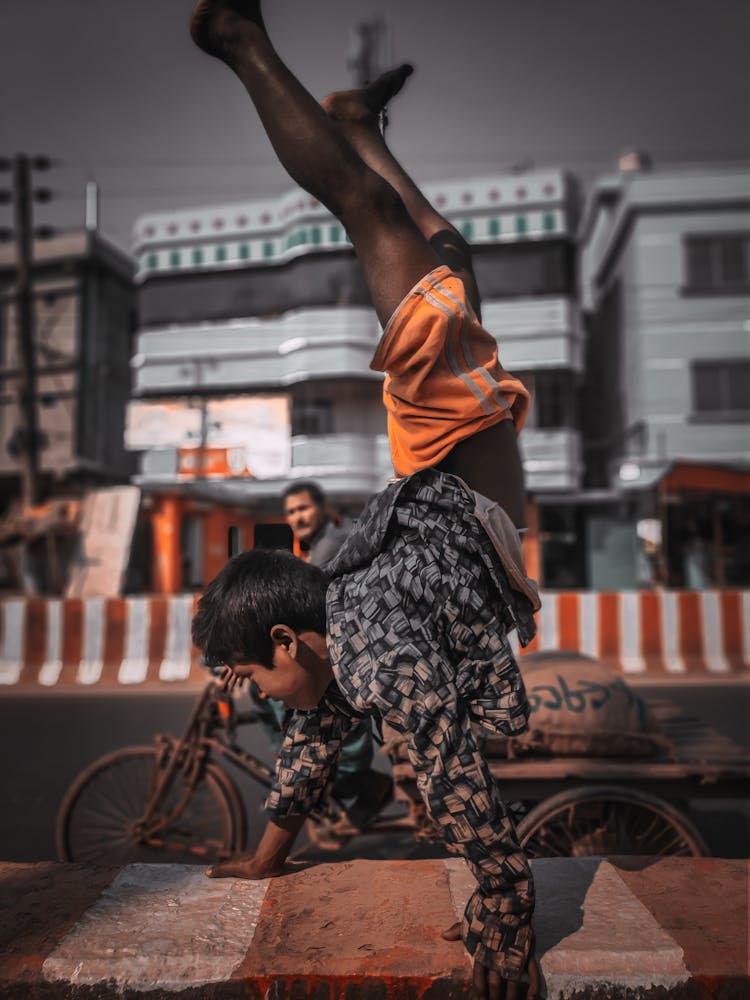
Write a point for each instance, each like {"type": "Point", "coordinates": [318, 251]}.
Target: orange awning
{"type": "Point", "coordinates": [701, 478]}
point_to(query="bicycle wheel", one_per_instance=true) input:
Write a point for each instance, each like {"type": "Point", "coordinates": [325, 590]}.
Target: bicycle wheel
{"type": "Point", "coordinates": [97, 818]}
{"type": "Point", "coordinates": [608, 820]}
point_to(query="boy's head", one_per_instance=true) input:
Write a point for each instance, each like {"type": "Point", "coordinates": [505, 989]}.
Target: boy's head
{"type": "Point", "coordinates": [264, 616]}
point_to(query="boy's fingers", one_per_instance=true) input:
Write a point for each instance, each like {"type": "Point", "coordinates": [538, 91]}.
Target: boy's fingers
{"type": "Point", "coordinates": [535, 980]}
{"type": "Point", "coordinates": [495, 986]}
{"type": "Point", "coordinates": [479, 982]}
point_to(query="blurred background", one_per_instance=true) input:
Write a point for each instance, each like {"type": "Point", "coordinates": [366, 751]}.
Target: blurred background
{"type": "Point", "coordinates": [183, 333]}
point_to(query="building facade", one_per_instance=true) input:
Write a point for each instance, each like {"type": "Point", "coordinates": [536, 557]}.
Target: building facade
{"type": "Point", "coordinates": [665, 291]}
{"type": "Point", "coordinates": [83, 320]}
{"type": "Point", "coordinates": [265, 300]}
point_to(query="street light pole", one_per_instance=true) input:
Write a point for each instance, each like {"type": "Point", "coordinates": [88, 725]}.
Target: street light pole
{"type": "Point", "coordinates": [29, 456]}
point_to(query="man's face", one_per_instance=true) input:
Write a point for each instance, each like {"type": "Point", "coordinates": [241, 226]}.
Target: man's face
{"type": "Point", "coordinates": [300, 674]}
{"type": "Point", "coordinates": [303, 515]}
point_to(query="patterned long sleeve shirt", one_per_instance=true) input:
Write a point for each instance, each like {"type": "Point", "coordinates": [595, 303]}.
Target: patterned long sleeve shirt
{"type": "Point", "coordinates": [418, 612]}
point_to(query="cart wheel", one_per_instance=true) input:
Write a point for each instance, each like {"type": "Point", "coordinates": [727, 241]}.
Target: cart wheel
{"type": "Point", "coordinates": [97, 818]}
{"type": "Point", "coordinates": [607, 820]}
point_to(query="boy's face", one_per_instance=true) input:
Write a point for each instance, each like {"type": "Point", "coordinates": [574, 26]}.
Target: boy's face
{"type": "Point", "coordinates": [301, 670]}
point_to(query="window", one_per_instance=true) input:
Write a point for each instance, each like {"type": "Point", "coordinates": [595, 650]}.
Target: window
{"type": "Point", "coordinates": [554, 399]}
{"type": "Point", "coordinates": [718, 263]}
{"type": "Point", "coordinates": [494, 227]}
{"type": "Point", "coordinates": [268, 249]}
{"type": "Point", "coordinates": [175, 258]}
{"type": "Point", "coordinates": [312, 417]}
{"type": "Point", "coordinates": [197, 256]}
{"type": "Point", "coordinates": [152, 261]}
{"type": "Point", "coordinates": [467, 230]}
{"type": "Point", "coordinates": [315, 235]}
{"type": "Point", "coordinates": [221, 254]}
{"type": "Point", "coordinates": [516, 270]}
{"type": "Point", "coordinates": [522, 225]}
{"type": "Point", "coordinates": [721, 387]}
{"type": "Point", "coordinates": [244, 251]}
{"type": "Point", "coordinates": [549, 222]}
{"type": "Point", "coordinates": [334, 234]}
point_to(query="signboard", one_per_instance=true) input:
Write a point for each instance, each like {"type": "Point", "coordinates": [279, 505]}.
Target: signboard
{"type": "Point", "coordinates": [245, 436]}
{"type": "Point", "coordinates": [107, 523]}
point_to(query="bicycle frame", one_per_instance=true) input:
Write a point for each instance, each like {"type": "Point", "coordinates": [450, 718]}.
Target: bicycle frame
{"type": "Point", "coordinates": [214, 711]}
{"type": "Point", "coordinates": [191, 751]}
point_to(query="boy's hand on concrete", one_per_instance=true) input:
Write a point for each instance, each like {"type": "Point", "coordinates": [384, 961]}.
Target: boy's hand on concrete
{"type": "Point", "coordinates": [489, 984]}
{"type": "Point", "coordinates": [270, 856]}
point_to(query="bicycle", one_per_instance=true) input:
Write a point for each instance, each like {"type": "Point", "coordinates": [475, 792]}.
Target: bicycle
{"type": "Point", "coordinates": [174, 800]}
{"type": "Point", "coordinates": [142, 803]}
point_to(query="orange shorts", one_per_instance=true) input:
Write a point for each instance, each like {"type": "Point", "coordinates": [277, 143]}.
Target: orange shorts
{"type": "Point", "coordinates": [444, 382]}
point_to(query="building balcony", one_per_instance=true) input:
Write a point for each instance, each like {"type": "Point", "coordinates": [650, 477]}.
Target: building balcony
{"type": "Point", "coordinates": [262, 353]}
{"type": "Point", "coordinates": [551, 459]}
{"type": "Point", "coordinates": [357, 465]}
{"type": "Point", "coordinates": [536, 332]}
{"type": "Point", "coordinates": [349, 466]}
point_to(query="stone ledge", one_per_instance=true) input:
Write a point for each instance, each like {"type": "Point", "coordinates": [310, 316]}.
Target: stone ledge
{"type": "Point", "coordinates": [365, 930]}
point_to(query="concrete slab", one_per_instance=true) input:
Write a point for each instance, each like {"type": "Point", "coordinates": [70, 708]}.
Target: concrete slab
{"type": "Point", "coordinates": [710, 923]}
{"type": "Point", "coordinates": [363, 930]}
{"type": "Point", "coordinates": [368, 920]}
{"type": "Point", "coordinates": [39, 905]}
{"type": "Point", "coordinates": [592, 931]}
{"type": "Point", "coordinates": [160, 927]}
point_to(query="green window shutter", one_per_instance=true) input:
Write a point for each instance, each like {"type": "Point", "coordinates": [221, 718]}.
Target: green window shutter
{"type": "Point", "coordinates": [152, 261]}
{"type": "Point", "coordinates": [221, 254]}
{"type": "Point", "coordinates": [302, 240]}
{"type": "Point", "coordinates": [197, 256]}
{"type": "Point", "coordinates": [467, 229]}
{"type": "Point", "coordinates": [494, 227]}
{"type": "Point", "coordinates": [291, 240]}
{"type": "Point", "coordinates": [175, 258]}
{"type": "Point", "coordinates": [549, 222]}
{"type": "Point", "coordinates": [268, 249]}
{"type": "Point", "coordinates": [244, 251]}
{"type": "Point", "coordinates": [522, 225]}
{"type": "Point", "coordinates": [315, 235]}
{"type": "Point", "coordinates": [334, 234]}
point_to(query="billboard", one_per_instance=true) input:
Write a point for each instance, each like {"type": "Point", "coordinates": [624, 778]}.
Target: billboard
{"type": "Point", "coordinates": [235, 436]}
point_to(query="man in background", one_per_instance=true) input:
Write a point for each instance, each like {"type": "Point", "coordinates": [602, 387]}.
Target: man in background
{"type": "Point", "coordinates": [316, 535]}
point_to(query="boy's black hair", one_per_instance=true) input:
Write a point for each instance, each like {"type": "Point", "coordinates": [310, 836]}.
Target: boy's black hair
{"type": "Point", "coordinates": [255, 591]}
{"type": "Point", "coordinates": [306, 485]}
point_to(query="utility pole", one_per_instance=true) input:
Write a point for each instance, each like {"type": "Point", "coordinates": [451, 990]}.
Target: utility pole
{"type": "Point", "coordinates": [29, 454]}
{"type": "Point", "coordinates": [369, 53]}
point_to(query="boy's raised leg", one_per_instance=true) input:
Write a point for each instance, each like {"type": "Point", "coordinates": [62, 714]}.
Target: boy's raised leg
{"type": "Point", "coordinates": [393, 252]}
{"type": "Point", "coordinates": [357, 114]}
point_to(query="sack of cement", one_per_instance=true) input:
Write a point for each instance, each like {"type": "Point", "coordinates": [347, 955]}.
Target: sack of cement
{"type": "Point", "coordinates": [582, 708]}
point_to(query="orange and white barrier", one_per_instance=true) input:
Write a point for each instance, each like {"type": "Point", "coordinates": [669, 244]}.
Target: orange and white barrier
{"type": "Point", "coordinates": [663, 632]}
{"type": "Point", "coordinates": [131, 641]}
{"type": "Point", "coordinates": [98, 641]}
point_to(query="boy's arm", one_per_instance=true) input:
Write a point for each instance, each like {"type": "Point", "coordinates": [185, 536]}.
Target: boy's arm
{"type": "Point", "coordinates": [308, 756]}
{"type": "Point", "coordinates": [305, 768]}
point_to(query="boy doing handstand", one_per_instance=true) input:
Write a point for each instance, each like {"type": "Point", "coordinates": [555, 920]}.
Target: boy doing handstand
{"type": "Point", "coordinates": [409, 622]}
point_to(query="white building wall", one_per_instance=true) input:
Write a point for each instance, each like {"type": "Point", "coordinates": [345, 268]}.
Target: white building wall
{"type": "Point", "coordinates": [667, 327]}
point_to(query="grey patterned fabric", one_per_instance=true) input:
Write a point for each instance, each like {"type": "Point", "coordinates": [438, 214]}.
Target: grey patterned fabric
{"type": "Point", "coordinates": [418, 611]}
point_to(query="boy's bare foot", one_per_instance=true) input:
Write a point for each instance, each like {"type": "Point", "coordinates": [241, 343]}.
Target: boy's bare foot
{"type": "Point", "coordinates": [244, 866]}
{"type": "Point", "coordinates": [218, 26]}
{"type": "Point", "coordinates": [364, 105]}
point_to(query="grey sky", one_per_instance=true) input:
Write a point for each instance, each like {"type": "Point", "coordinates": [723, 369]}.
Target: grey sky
{"type": "Point", "coordinates": [116, 90]}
